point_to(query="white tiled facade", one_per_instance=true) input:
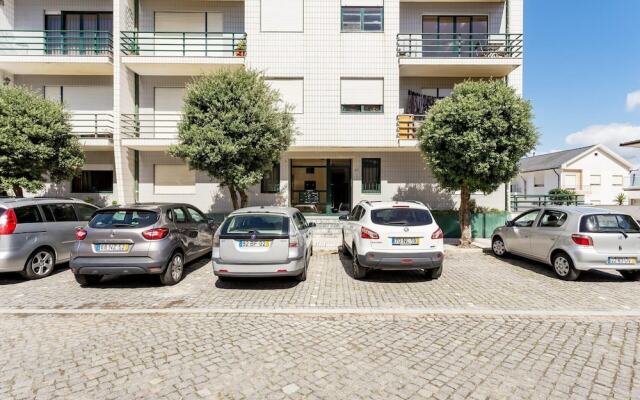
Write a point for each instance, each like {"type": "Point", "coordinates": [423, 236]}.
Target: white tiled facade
{"type": "Point", "coordinates": [299, 45]}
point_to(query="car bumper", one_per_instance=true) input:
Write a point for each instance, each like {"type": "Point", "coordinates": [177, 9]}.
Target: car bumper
{"type": "Point", "coordinates": [116, 265]}
{"type": "Point", "coordinates": [289, 268]}
{"type": "Point", "coordinates": [585, 261]}
{"type": "Point", "coordinates": [11, 262]}
{"type": "Point", "coordinates": [401, 260]}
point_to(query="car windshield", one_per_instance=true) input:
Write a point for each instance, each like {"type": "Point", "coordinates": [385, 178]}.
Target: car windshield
{"type": "Point", "coordinates": [605, 223]}
{"type": "Point", "coordinates": [401, 217]}
{"type": "Point", "coordinates": [123, 219]}
{"type": "Point", "coordinates": [256, 223]}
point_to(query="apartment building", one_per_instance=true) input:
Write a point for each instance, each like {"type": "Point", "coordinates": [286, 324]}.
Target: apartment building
{"type": "Point", "coordinates": [359, 73]}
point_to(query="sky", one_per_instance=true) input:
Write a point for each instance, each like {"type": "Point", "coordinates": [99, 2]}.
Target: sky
{"type": "Point", "coordinates": [582, 72]}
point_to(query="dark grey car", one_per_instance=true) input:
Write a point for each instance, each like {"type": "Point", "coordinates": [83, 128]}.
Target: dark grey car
{"type": "Point", "coordinates": [141, 239]}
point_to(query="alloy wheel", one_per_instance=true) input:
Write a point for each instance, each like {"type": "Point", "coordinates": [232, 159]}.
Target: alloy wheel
{"type": "Point", "coordinates": [177, 267]}
{"type": "Point", "coordinates": [42, 263]}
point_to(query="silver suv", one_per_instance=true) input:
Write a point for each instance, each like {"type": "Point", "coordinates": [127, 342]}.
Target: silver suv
{"type": "Point", "coordinates": [141, 239]}
{"type": "Point", "coordinates": [38, 233]}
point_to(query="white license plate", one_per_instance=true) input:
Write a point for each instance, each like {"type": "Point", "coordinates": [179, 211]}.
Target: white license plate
{"type": "Point", "coordinates": [405, 241]}
{"type": "Point", "coordinates": [112, 248]}
{"type": "Point", "coordinates": [622, 261]}
{"type": "Point", "coordinates": [255, 243]}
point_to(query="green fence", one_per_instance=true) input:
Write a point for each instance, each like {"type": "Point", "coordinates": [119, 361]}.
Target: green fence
{"type": "Point", "coordinates": [482, 225]}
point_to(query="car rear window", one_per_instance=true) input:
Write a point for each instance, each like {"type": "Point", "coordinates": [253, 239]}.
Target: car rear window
{"type": "Point", "coordinates": [401, 217]}
{"type": "Point", "coordinates": [256, 224]}
{"type": "Point", "coordinates": [603, 223]}
{"type": "Point", "coordinates": [123, 219]}
{"type": "Point", "coordinates": [28, 215]}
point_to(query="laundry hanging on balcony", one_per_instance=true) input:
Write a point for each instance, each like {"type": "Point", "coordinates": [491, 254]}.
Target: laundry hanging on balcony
{"type": "Point", "coordinates": [418, 103]}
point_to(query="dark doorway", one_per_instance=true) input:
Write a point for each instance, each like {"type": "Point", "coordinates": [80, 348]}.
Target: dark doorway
{"type": "Point", "coordinates": [340, 185]}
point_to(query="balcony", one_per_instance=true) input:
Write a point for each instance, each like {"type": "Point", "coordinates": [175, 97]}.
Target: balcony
{"type": "Point", "coordinates": [182, 53]}
{"type": "Point", "coordinates": [458, 55]}
{"type": "Point", "coordinates": [407, 126]}
{"type": "Point", "coordinates": [95, 131]}
{"type": "Point", "coordinates": [56, 52]}
{"type": "Point", "coordinates": [150, 132]}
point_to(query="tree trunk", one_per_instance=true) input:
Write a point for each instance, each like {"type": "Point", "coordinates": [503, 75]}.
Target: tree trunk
{"type": "Point", "coordinates": [465, 218]}
{"type": "Point", "coordinates": [17, 191]}
{"type": "Point", "coordinates": [234, 197]}
{"type": "Point", "coordinates": [244, 199]}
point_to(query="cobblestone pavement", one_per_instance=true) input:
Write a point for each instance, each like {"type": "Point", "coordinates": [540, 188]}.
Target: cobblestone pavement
{"type": "Point", "coordinates": [472, 280]}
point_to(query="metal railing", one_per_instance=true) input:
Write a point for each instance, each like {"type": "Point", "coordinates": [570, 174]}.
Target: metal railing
{"type": "Point", "coordinates": [151, 125]}
{"type": "Point", "coordinates": [456, 45]}
{"type": "Point", "coordinates": [87, 125]}
{"type": "Point", "coordinates": [184, 44]}
{"type": "Point", "coordinates": [56, 43]}
{"type": "Point", "coordinates": [407, 126]}
{"type": "Point", "coordinates": [371, 187]}
{"type": "Point", "coordinates": [521, 202]}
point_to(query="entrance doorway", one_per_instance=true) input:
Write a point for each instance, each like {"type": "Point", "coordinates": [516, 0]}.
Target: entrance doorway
{"type": "Point", "coordinates": [321, 186]}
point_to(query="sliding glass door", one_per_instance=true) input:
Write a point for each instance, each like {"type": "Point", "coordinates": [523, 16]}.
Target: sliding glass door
{"type": "Point", "coordinates": [79, 33]}
{"type": "Point", "coordinates": [453, 36]}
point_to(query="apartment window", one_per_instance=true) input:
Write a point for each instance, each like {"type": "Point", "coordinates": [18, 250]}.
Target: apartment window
{"type": "Point", "coordinates": [371, 175]}
{"type": "Point", "coordinates": [595, 180]}
{"type": "Point", "coordinates": [271, 180]}
{"type": "Point", "coordinates": [86, 33]}
{"type": "Point", "coordinates": [617, 180]}
{"type": "Point", "coordinates": [362, 95]}
{"type": "Point", "coordinates": [362, 19]}
{"type": "Point", "coordinates": [454, 36]}
{"type": "Point", "coordinates": [93, 182]}
{"type": "Point", "coordinates": [570, 181]}
{"type": "Point", "coordinates": [438, 93]}
{"type": "Point", "coordinates": [174, 179]}
{"type": "Point", "coordinates": [538, 179]}
{"type": "Point", "coordinates": [291, 92]}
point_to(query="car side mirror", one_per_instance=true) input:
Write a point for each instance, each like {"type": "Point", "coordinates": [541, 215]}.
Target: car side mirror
{"type": "Point", "coordinates": [509, 223]}
{"type": "Point", "coordinates": [311, 225]}
{"type": "Point", "coordinates": [343, 218]}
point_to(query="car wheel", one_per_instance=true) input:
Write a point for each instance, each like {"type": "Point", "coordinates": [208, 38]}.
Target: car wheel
{"type": "Point", "coordinates": [433, 273]}
{"type": "Point", "coordinates": [174, 271]}
{"type": "Point", "coordinates": [86, 280]}
{"type": "Point", "coordinates": [357, 270]}
{"type": "Point", "coordinates": [40, 264]}
{"type": "Point", "coordinates": [563, 267]}
{"type": "Point", "coordinates": [630, 275]}
{"type": "Point", "coordinates": [498, 248]}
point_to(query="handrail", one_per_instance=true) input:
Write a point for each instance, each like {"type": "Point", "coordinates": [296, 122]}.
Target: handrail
{"type": "Point", "coordinates": [520, 202]}
{"type": "Point", "coordinates": [184, 44]}
{"type": "Point", "coordinates": [150, 125]}
{"type": "Point", "coordinates": [96, 125]}
{"type": "Point", "coordinates": [56, 42]}
{"type": "Point", "coordinates": [407, 125]}
{"type": "Point", "coordinates": [455, 45]}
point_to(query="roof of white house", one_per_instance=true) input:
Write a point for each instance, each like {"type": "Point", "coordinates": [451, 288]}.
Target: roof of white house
{"type": "Point", "coordinates": [560, 159]}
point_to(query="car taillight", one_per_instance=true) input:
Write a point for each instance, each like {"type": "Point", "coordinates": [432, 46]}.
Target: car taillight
{"type": "Point", "coordinates": [293, 242]}
{"type": "Point", "coordinates": [368, 234]}
{"type": "Point", "coordinates": [438, 234]}
{"type": "Point", "coordinates": [8, 222]}
{"type": "Point", "coordinates": [81, 234]}
{"type": "Point", "coordinates": [155, 234]}
{"type": "Point", "coordinates": [582, 240]}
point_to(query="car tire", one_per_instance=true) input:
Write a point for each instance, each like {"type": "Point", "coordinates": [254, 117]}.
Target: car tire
{"type": "Point", "coordinates": [498, 248]}
{"type": "Point", "coordinates": [357, 270]}
{"type": "Point", "coordinates": [630, 275]}
{"type": "Point", "coordinates": [433, 273]}
{"type": "Point", "coordinates": [174, 271]}
{"type": "Point", "coordinates": [40, 264]}
{"type": "Point", "coordinates": [563, 267]}
{"type": "Point", "coordinates": [87, 280]}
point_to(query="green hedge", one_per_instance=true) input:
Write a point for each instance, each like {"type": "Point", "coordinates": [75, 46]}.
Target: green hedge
{"type": "Point", "coordinates": [482, 224]}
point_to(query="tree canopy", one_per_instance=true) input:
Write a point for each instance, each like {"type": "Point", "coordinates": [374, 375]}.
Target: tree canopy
{"type": "Point", "coordinates": [35, 141]}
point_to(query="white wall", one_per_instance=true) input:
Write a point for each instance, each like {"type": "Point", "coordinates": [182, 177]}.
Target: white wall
{"type": "Point", "coordinates": [597, 162]}
{"type": "Point", "coordinates": [29, 14]}
{"type": "Point", "coordinates": [233, 12]}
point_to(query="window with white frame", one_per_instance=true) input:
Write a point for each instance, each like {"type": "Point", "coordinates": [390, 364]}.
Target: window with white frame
{"type": "Point", "coordinates": [595, 180]}
{"type": "Point", "coordinates": [173, 179]}
{"type": "Point", "coordinates": [538, 179]}
{"type": "Point", "coordinates": [570, 181]}
{"type": "Point", "coordinates": [282, 15]}
{"type": "Point", "coordinates": [362, 95]}
{"type": "Point", "coordinates": [291, 92]}
{"type": "Point", "coordinates": [617, 180]}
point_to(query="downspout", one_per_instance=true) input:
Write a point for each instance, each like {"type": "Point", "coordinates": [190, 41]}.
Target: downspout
{"type": "Point", "coordinates": [559, 180]}
{"type": "Point", "coordinates": [136, 153]}
{"type": "Point", "coordinates": [525, 184]}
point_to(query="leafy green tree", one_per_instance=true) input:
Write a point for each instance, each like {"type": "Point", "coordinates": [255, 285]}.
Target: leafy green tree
{"type": "Point", "coordinates": [35, 141]}
{"type": "Point", "coordinates": [234, 128]}
{"type": "Point", "coordinates": [561, 196]}
{"type": "Point", "coordinates": [474, 139]}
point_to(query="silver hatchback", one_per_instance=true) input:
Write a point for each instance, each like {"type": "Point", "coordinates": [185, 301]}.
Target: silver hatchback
{"type": "Point", "coordinates": [141, 239]}
{"type": "Point", "coordinates": [261, 242]}
{"type": "Point", "coordinates": [573, 239]}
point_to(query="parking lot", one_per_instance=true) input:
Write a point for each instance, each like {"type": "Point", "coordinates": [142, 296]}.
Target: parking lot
{"type": "Point", "coordinates": [488, 328]}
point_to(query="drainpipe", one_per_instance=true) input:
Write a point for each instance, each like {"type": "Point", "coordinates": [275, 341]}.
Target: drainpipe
{"type": "Point", "coordinates": [136, 153]}
{"type": "Point", "coordinates": [559, 182]}
{"type": "Point", "coordinates": [524, 181]}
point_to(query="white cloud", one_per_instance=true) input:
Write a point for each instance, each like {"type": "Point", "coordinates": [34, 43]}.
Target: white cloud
{"type": "Point", "coordinates": [611, 136]}
{"type": "Point", "coordinates": [633, 100]}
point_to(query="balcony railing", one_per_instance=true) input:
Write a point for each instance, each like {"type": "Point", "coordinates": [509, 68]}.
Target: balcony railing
{"type": "Point", "coordinates": [408, 124]}
{"type": "Point", "coordinates": [184, 44]}
{"type": "Point", "coordinates": [458, 45]}
{"type": "Point", "coordinates": [521, 202]}
{"type": "Point", "coordinates": [56, 43]}
{"type": "Point", "coordinates": [151, 125]}
{"type": "Point", "coordinates": [87, 125]}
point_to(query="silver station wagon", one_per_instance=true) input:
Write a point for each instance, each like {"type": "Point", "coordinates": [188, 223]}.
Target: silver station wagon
{"type": "Point", "coordinates": [261, 242]}
{"type": "Point", "coordinates": [573, 239]}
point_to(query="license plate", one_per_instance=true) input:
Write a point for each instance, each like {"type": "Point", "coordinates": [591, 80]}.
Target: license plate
{"type": "Point", "coordinates": [112, 248]}
{"type": "Point", "coordinates": [623, 260]}
{"type": "Point", "coordinates": [405, 241]}
{"type": "Point", "coordinates": [255, 243]}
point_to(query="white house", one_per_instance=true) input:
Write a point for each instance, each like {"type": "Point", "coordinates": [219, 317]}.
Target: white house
{"type": "Point", "coordinates": [351, 68]}
{"type": "Point", "coordinates": [596, 172]}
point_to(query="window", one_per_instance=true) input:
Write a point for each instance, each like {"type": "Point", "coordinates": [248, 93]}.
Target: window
{"type": "Point", "coordinates": [93, 182]}
{"type": "Point", "coordinates": [538, 179]}
{"type": "Point", "coordinates": [60, 212]}
{"type": "Point", "coordinates": [552, 219]}
{"type": "Point", "coordinates": [371, 175]}
{"type": "Point", "coordinates": [271, 180]}
{"type": "Point", "coordinates": [282, 15]}
{"type": "Point", "coordinates": [357, 213]}
{"type": "Point", "coordinates": [28, 215]}
{"type": "Point", "coordinates": [196, 216]}
{"type": "Point", "coordinates": [570, 181]}
{"type": "Point", "coordinates": [120, 219]}
{"type": "Point", "coordinates": [595, 180]}
{"type": "Point", "coordinates": [526, 220]}
{"type": "Point", "coordinates": [362, 95]}
{"type": "Point", "coordinates": [85, 212]}
{"type": "Point", "coordinates": [258, 224]}
{"type": "Point", "coordinates": [299, 221]}
{"type": "Point", "coordinates": [174, 179]}
{"type": "Point", "coordinates": [87, 33]}
{"type": "Point", "coordinates": [291, 92]}
{"type": "Point", "coordinates": [455, 36]}
{"type": "Point", "coordinates": [604, 223]}
{"type": "Point", "coordinates": [617, 180]}
{"type": "Point", "coordinates": [180, 216]}
{"type": "Point", "coordinates": [438, 93]}
{"type": "Point", "coordinates": [401, 217]}
{"type": "Point", "coordinates": [362, 19]}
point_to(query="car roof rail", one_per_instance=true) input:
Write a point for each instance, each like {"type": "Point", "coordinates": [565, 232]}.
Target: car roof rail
{"type": "Point", "coordinates": [415, 202]}
{"type": "Point", "coordinates": [55, 198]}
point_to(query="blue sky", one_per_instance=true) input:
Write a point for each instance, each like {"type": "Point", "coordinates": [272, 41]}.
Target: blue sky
{"type": "Point", "coordinates": [582, 61]}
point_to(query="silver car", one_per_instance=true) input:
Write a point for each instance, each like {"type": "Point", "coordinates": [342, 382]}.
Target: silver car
{"type": "Point", "coordinates": [261, 242]}
{"type": "Point", "coordinates": [573, 239]}
{"type": "Point", "coordinates": [141, 239]}
{"type": "Point", "coordinates": [38, 233]}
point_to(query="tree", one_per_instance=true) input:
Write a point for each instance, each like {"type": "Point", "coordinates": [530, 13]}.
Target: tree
{"type": "Point", "coordinates": [234, 128]}
{"type": "Point", "coordinates": [620, 199]}
{"type": "Point", "coordinates": [474, 139]}
{"type": "Point", "coordinates": [561, 196]}
{"type": "Point", "coordinates": [35, 141]}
